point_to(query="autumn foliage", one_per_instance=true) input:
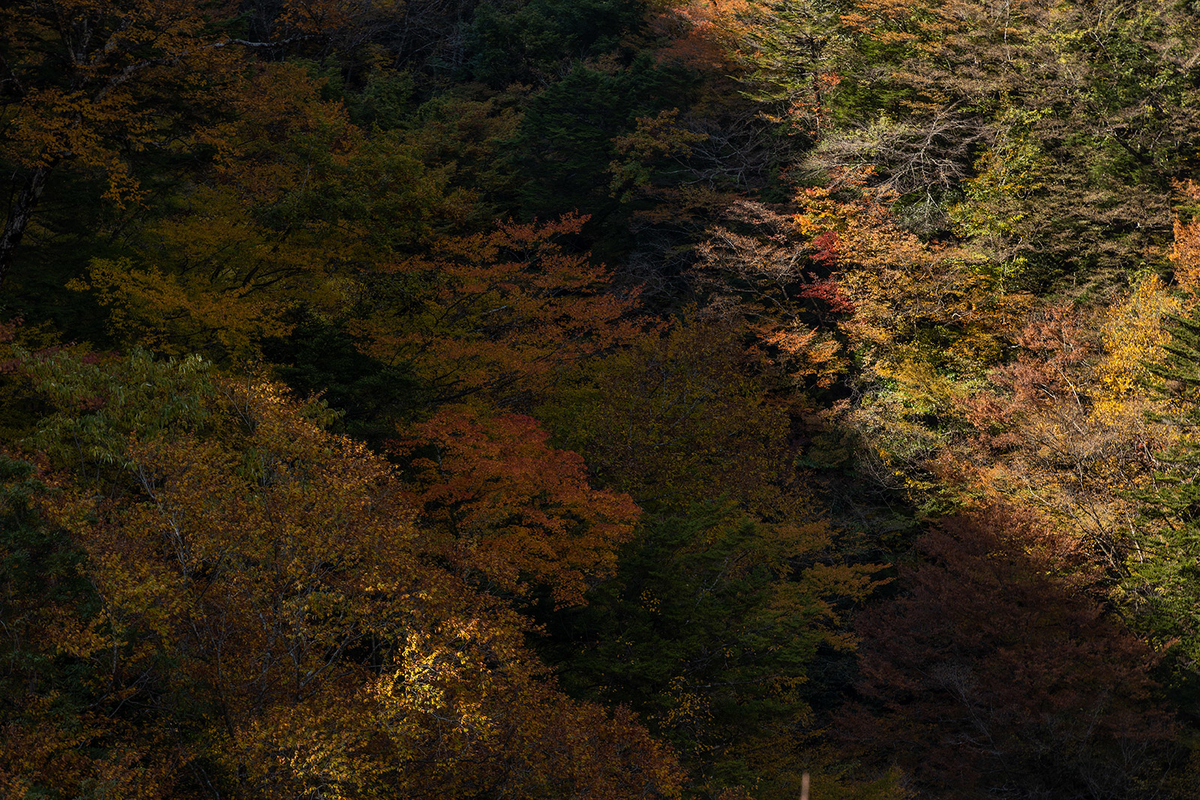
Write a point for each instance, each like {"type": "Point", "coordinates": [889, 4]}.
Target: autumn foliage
{"type": "Point", "coordinates": [998, 666]}
{"type": "Point", "coordinates": [261, 606]}
{"type": "Point", "coordinates": [512, 509]}
{"type": "Point", "coordinates": [721, 399]}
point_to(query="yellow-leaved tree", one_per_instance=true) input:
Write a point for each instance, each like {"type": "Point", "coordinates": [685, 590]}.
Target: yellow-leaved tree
{"type": "Point", "coordinates": [262, 605]}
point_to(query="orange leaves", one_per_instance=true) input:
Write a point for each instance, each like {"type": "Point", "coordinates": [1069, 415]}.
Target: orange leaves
{"type": "Point", "coordinates": [701, 35]}
{"type": "Point", "coordinates": [766, 278]}
{"type": "Point", "coordinates": [53, 753]}
{"type": "Point", "coordinates": [513, 508]}
{"type": "Point", "coordinates": [315, 16]}
{"type": "Point", "coordinates": [268, 606]}
{"type": "Point", "coordinates": [886, 292]}
{"type": "Point", "coordinates": [1185, 254]}
{"type": "Point", "coordinates": [1064, 425]}
{"type": "Point", "coordinates": [497, 312]}
{"type": "Point", "coordinates": [120, 57]}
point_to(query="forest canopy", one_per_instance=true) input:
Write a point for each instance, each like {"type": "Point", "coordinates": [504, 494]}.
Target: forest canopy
{"type": "Point", "coordinates": [737, 400]}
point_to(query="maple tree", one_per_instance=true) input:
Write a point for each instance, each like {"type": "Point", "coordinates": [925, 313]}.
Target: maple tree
{"type": "Point", "coordinates": [511, 507]}
{"type": "Point", "coordinates": [499, 313]}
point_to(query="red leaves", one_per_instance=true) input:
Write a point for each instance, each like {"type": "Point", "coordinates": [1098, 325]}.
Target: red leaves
{"type": "Point", "coordinates": [826, 246]}
{"type": "Point", "coordinates": [829, 293]}
{"type": "Point", "coordinates": [513, 508]}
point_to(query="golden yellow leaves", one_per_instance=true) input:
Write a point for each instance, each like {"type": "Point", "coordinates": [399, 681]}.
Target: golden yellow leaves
{"type": "Point", "coordinates": [1134, 334]}
{"type": "Point", "coordinates": [263, 595]}
{"type": "Point", "coordinates": [176, 314]}
{"type": "Point", "coordinates": [104, 106]}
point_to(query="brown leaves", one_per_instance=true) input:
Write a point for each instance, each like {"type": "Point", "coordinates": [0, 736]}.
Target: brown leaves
{"type": "Point", "coordinates": [1064, 425]}
{"type": "Point", "coordinates": [999, 665]}
{"type": "Point", "coordinates": [273, 576]}
{"type": "Point", "coordinates": [121, 57]}
{"type": "Point", "coordinates": [766, 278]}
{"type": "Point", "coordinates": [1185, 254]}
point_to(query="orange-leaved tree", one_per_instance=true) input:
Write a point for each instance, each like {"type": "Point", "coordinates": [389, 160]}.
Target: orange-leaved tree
{"type": "Point", "coordinates": [507, 510]}
{"type": "Point", "coordinates": [1067, 424]}
{"type": "Point", "coordinates": [501, 312]}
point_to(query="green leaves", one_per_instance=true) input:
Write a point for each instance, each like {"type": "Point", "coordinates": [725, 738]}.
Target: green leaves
{"type": "Point", "coordinates": [100, 402]}
{"type": "Point", "coordinates": [711, 629]}
{"type": "Point", "coordinates": [1163, 585]}
{"type": "Point", "coordinates": [258, 603]}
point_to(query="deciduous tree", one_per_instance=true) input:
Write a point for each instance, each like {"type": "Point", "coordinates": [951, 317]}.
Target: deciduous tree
{"type": "Point", "coordinates": [90, 84]}
{"type": "Point", "coordinates": [499, 313]}
{"type": "Point", "coordinates": [998, 671]}
{"type": "Point", "coordinates": [507, 510]}
{"type": "Point", "coordinates": [261, 602]}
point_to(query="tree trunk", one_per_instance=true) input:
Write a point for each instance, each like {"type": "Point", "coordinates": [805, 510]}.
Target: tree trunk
{"type": "Point", "coordinates": [18, 218]}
